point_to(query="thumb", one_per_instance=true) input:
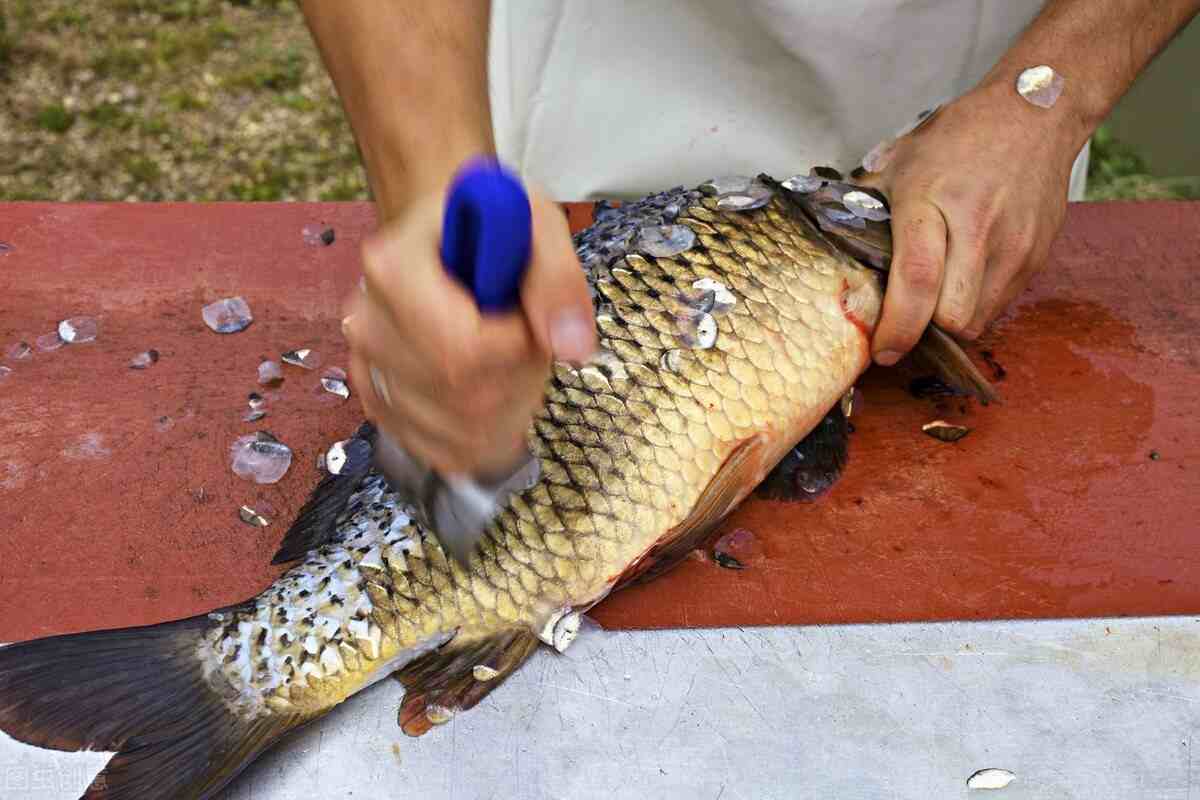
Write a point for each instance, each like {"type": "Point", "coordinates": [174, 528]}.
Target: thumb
{"type": "Point", "coordinates": [555, 296]}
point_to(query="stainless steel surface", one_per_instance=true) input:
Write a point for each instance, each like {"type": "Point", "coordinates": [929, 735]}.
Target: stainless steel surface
{"type": "Point", "coordinates": [1092, 709]}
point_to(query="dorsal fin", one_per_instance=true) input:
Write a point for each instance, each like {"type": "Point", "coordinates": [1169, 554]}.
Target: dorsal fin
{"type": "Point", "coordinates": [316, 523]}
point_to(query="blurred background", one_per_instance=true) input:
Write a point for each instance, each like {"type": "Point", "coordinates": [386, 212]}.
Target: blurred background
{"type": "Point", "coordinates": [227, 100]}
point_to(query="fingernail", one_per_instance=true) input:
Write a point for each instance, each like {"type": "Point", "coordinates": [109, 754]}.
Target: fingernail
{"type": "Point", "coordinates": [380, 384]}
{"type": "Point", "coordinates": [571, 336]}
{"type": "Point", "coordinates": [887, 358]}
{"type": "Point", "coordinates": [346, 325]}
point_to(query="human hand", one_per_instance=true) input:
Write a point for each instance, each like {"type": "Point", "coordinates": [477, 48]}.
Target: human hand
{"type": "Point", "coordinates": [457, 388]}
{"type": "Point", "coordinates": [977, 196]}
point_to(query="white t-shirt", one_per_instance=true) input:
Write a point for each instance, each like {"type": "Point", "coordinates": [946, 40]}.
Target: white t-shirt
{"type": "Point", "coordinates": [618, 98]}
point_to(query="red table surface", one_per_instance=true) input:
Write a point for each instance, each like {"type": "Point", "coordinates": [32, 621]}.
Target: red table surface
{"type": "Point", "coordinates": [118, 507]}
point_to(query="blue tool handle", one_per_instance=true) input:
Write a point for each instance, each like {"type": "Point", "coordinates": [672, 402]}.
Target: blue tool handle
{"type": "Point", "coordinates": [486, 234]}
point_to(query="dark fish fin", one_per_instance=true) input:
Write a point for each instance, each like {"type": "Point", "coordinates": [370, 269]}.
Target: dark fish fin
{"type": "Point", "coordinates": [446, 678]}
{"type": "Point", "coordinates": [733, 481]}
{"type": "Point", "coordinates": [317, 521]}
{"type": "Point", "coordinates": [811, 468]}
{"type": "Point", "coordinates": [940, 353]}
{"type": "Point", "coordinates": [139, 692]}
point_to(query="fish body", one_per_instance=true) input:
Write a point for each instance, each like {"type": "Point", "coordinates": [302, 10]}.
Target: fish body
{"type": "Point", "coordinates": [655, 439]}
{"type": "Point", "coordinates": [728, 330]}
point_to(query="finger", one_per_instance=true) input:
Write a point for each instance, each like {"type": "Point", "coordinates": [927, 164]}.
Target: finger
{"type": "Point", "coordinates": [421, 427]}
{"type": "Point", "coordinates": [555, 295]}
{"type": "Point", "coordinates": [966, 264]}
{"type": "Point", "coordinates": [415, 316]}
{"type": "Point", "coordinates": [1018, 258]}
{"type": "Point", "coordinates": [914, 283]}
{"type": "Point", "coordinates": [409, 389]}
{"type": "Point", "coordinates": [371, 334]}
{"type": "Point", "coordinates": [402, 270]}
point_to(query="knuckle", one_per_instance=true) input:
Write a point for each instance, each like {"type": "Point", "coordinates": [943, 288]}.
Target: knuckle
{"type": "Point", "coordinates": [478, 405]}
{"type": "Point", "coordinates": [374, 263]}
{"type": "Point", "coordinates": [457, 365]}
{"type": "Point", "coordinates": [984, 212]}
{"type": "Point", "coordinates": [953, 320]}
{"type": "Point", "coordinates": [922, 273]}
{"type": "Point", "coordinates": [1025, 240]}
{"type": "Point", "coordinates": [900, 335]}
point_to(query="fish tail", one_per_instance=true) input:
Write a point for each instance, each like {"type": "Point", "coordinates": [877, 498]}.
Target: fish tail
{"type": "Point", "coordinates": [143, 693]}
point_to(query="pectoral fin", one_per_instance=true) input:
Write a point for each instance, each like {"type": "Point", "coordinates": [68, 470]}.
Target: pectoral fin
{"type": "Point", "coordinates": [735, 479]}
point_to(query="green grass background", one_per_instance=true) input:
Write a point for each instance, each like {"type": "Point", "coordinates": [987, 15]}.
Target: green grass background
{"type": "Point", "coordinates": [221, 100]}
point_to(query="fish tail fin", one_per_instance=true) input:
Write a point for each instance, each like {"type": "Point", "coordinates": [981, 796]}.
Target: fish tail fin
{"type": "Point", "coordinates": [143, 693]}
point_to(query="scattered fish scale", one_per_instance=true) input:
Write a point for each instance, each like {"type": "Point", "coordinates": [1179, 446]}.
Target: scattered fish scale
{"type": "Point", "coordinates": [805, 184]}
{"type": "Point", "coordinates": [727, 184]}
{"type": "Point", "coordinates": [335, 458]}
{"type": "Point", "coordinates": [865, 205]}
{"type": "Point", "coordinates": [944, 431]}
{"type": "Point", "coordinates": [754, 196]}
{"type": "Point", "coordinates": [664, 241]}
{"type": "Point", "coordinates": [269, 373]}
{"type": "Point", "coordinates": [144, 360]}
{"type": "Point", "coordinates": [305, 358]}
{"type": "Point", "coordinates": [336, 387]}
{"type": "Point", "coordinates": [738, 549]}
{"type": "Point", "coordinates": [253, 518]}
{"type": "Point", "coordinates": [1041, 86]}
{"type": "Point", "coordinates": [318, 235]}
{"type": "Point", "coordinates": [260, 458]}
{"type": "Point", "coordinates": [78, 330]}
{"type": "Point", "coordinates": [990, 778]}
{"type": "Point", "coordinates": [19, 351]}
{"type": "Point", "coordinates": [229, 315]}
{"type": "Point", "coordinates": [616, 227]}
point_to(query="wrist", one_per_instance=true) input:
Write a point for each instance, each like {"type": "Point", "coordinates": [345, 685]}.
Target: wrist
{"type": "Point", "coordinates": [1061, 130]}
{"type": "Point", "coordinates": [400, 172]}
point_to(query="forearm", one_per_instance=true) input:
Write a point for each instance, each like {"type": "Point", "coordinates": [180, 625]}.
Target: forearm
{"type": "Point", "coordinates": [1099, 47]}
{"type": "Point", "coordinates": [412, 77]}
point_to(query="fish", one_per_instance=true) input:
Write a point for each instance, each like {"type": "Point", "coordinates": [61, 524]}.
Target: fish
{"type": "Point", "coordinates": [733, 318]}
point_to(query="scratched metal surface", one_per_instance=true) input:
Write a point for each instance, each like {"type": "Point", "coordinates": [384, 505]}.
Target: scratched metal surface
{"type": "Point", "coordinates": [1077, 709]}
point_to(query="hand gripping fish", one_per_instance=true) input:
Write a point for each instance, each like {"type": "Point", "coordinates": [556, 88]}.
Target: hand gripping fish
{"type": "Point", "coordinates": [733, 319]}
